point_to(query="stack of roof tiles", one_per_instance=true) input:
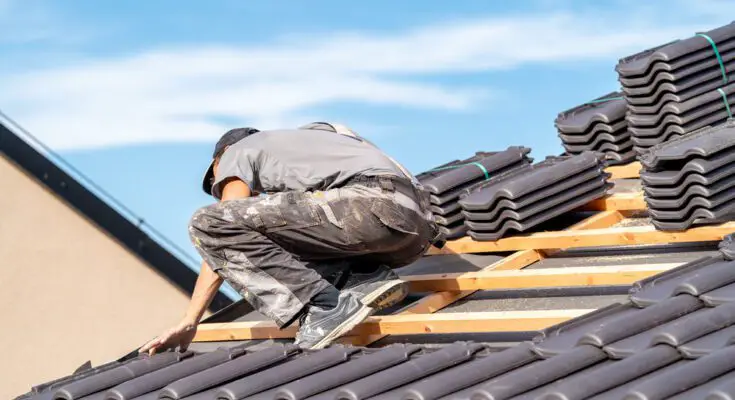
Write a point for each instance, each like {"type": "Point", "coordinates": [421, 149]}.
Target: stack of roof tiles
{"type": "Point", "coordinates": [522, 199]}
{"type": "Point", "coordinates": [691, 180]}
{"type": "Point", "coordinates": [672, 338]}
{"type": "Point", "coordinates": [448, 182]}
{"type": "Point", "coordinates": [598, 126]}
{"type": "Point", "coordinates": [679, 87]}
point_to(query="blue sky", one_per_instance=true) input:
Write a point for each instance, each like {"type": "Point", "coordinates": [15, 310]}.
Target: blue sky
{"type": "Point", "coordinates": [134, 94]}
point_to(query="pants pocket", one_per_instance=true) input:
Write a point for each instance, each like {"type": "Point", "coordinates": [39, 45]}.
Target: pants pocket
{"type": "Point", "coordinates": [394, 216]}
{"type": "Point", "coordinates": [290, 211]}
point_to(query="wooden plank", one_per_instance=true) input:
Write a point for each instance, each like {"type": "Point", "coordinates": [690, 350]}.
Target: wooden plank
{"type": "Point", "coordinates": [600, 220]}
{"type": "Point", "coordinates": [518, 260]}
{"type": "Point", "coordinates": [536, 278]}
{"type": "Point", "coordinates": [404, 324]}
{"type": "Point", "coordinates": [631, 170]}
{"type": "Point", "coordinates": [633, 201]}
{"type": "Point", "coordinates": [621, 236]}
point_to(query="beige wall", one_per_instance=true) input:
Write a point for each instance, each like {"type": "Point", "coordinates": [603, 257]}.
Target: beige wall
{"type": "Point", "coordinates": [68, 292]}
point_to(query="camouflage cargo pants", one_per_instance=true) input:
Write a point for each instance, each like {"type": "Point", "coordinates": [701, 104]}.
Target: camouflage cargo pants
{"type": "Point", "coordinates": [276, 250]}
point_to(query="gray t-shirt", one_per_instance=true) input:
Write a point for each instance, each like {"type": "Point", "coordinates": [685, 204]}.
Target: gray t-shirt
{"type": "Point", "coordinates": [300, 160]}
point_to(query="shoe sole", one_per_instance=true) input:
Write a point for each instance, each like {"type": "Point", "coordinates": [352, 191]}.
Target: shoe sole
{"type": "Point", "coordinates": [344, 327]}
{"type": "Point", "coordinates": [387, 295]}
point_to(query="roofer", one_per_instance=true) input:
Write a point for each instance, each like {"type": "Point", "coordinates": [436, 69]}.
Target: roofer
{"type": "Point", "coordinates": [309, 226]}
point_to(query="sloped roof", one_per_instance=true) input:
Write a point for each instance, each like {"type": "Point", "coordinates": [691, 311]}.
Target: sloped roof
{"type": "Point", "coordinates": [671, 335]}
{"type": "Point", "coordinates": [108, 219]}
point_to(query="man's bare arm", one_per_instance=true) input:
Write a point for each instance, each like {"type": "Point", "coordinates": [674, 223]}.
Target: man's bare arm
{"type": "Point", "coordinates": [208, 282]}
{"type": "Point", "coordinates": [205, 289]}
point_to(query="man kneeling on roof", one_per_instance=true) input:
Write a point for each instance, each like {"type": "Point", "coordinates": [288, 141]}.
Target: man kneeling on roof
{"type": "Point", "coordinates": [309, 226]}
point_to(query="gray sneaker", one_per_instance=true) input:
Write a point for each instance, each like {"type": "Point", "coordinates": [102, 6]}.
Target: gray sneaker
{"type": "Point", "coordinates": [319, 327]}
{"type": "Point", "coordinates": [379, 289]}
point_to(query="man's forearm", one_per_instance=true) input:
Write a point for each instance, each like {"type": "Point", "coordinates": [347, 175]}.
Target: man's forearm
{"type": "Point", "coordinates": [206, 287]}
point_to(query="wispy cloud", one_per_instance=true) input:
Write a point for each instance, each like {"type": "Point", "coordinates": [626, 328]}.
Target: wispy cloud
{"type": "Point", "coordinates": [179, 94]}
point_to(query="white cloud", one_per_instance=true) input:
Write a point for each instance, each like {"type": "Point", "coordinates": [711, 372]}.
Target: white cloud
{"type": "Point", "coordinates": [178, 94]}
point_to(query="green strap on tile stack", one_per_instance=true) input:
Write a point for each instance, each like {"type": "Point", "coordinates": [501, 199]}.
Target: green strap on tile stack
{"type": "Point", "coordinates": [717, 54]}
{"type": "Point", "coordinates": [725, 79]}
{"type": "Point", "coordinates": [477, 164]}
{"type": "Point", "coordinates": [605, 100]}
{"type": "Point", "coordinates": [727, 104]}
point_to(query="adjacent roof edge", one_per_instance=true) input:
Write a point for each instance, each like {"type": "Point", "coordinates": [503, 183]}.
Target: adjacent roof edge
{"type": "Point", "coordinates": [100, 213]}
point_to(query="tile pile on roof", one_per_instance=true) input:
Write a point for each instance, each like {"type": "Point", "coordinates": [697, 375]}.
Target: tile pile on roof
{"type": "Point", "coordinates": [448, 182]}
{"type": "Point", "coordinates": [679, 87]}
{"type": "Point", "coordinates": [522, 199]}
{"type": "Point", "coordinates": [691, 179]}
{"type": "Point", "coordinates": [598, 126]}
{"type": "Point", "coordinates": [671, 338]}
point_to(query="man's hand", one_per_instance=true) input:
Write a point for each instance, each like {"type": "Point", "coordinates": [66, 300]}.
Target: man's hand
{"type": "Point", "coordinates": [179, 336]}
{"type": "Point", "coordinates": [205, 289]}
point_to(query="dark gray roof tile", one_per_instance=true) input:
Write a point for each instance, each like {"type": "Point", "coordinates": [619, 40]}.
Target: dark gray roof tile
{"type": "Point", "coordinates": [716, 276]}
{"type": "Point", "coordinates": [695, 325]}
{"type": "Point", "coordinates": [552, 208]}
{"type": "Point", "coordinates": [353, 370]}
{"type": "Point", "coordinates": [525, 181]}
{"type": "Point", "coordinates": [720, 388]}
{"type": "Point", "coordinates": [585, 180]}
{"type": "Point", "coordinates": [610, 132]}
{"type": "Point", "coordinates": [681, 113]}
{"type": "Point", "coordinates": [696, 216]}
{"type": "Point", "coordinates": [471, 373]}
{"type": "Point", "coordinates": [592, 115]}
{"type": "Point", "coordinates": [222, 373]}
{"type": "Point", "coordinates": [707, 344]}
{"type": "Point", "coordinates": [158, 379]}
{"type": "Point", "coordinates": [687, 87]}
{"type": "Point", "coordinates": [615, 329]}
{"type": "Point", "coordinates": [564, 337]}
{"type": "Point", "coordinates": [681, 67]}
{"type": "Point", "coordinates": [721, 295]}
{"type": "Point", "coordinates": [540, 373]}
{"type": "Point", "coordinates": [107, 379]}
{"type": "Point", "coordinates": [612, 374]}
{"type": "Point", "coordinates": [660, 287]}
{"type": "Point", "coordinates": [546, 390]}
{"type": "Point", "coordinates": [712, 169]}
{"type": "Point", "coordinates": [601, 146]}
{"type": "Point", "coordinates": [641, 63]}
{"type": "Point", "coordinates": [454, 194]}
{"type": "Point", "coordinates": [692, 374]}
{"type": "Point", "coordinates": [684, 196]}
{"type": "Point", "coordinates": [619, 392]}
{"type": "Point", "coordinates": [466, 173]}
{"type": "Point", "coordinates": [704, 143]}
{"type": "Point", "coordinates": [634, 344]}
{"type": "Point", "coordinates": [306, 364]}
{"type": "Point", "coordinates": [418, 367]}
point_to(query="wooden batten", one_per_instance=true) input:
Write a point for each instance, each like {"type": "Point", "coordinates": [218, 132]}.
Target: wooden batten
{"type": "Point", "coordinates": [536, 278]}
{"type": "Point", "coordinates": [632, 170]}
{"type": "Point", "coordinates": [619, 236]}
{"type": "Point", "coordinates": [402, 324]}
{"type": "Point", "coordinates": [633, 201]}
